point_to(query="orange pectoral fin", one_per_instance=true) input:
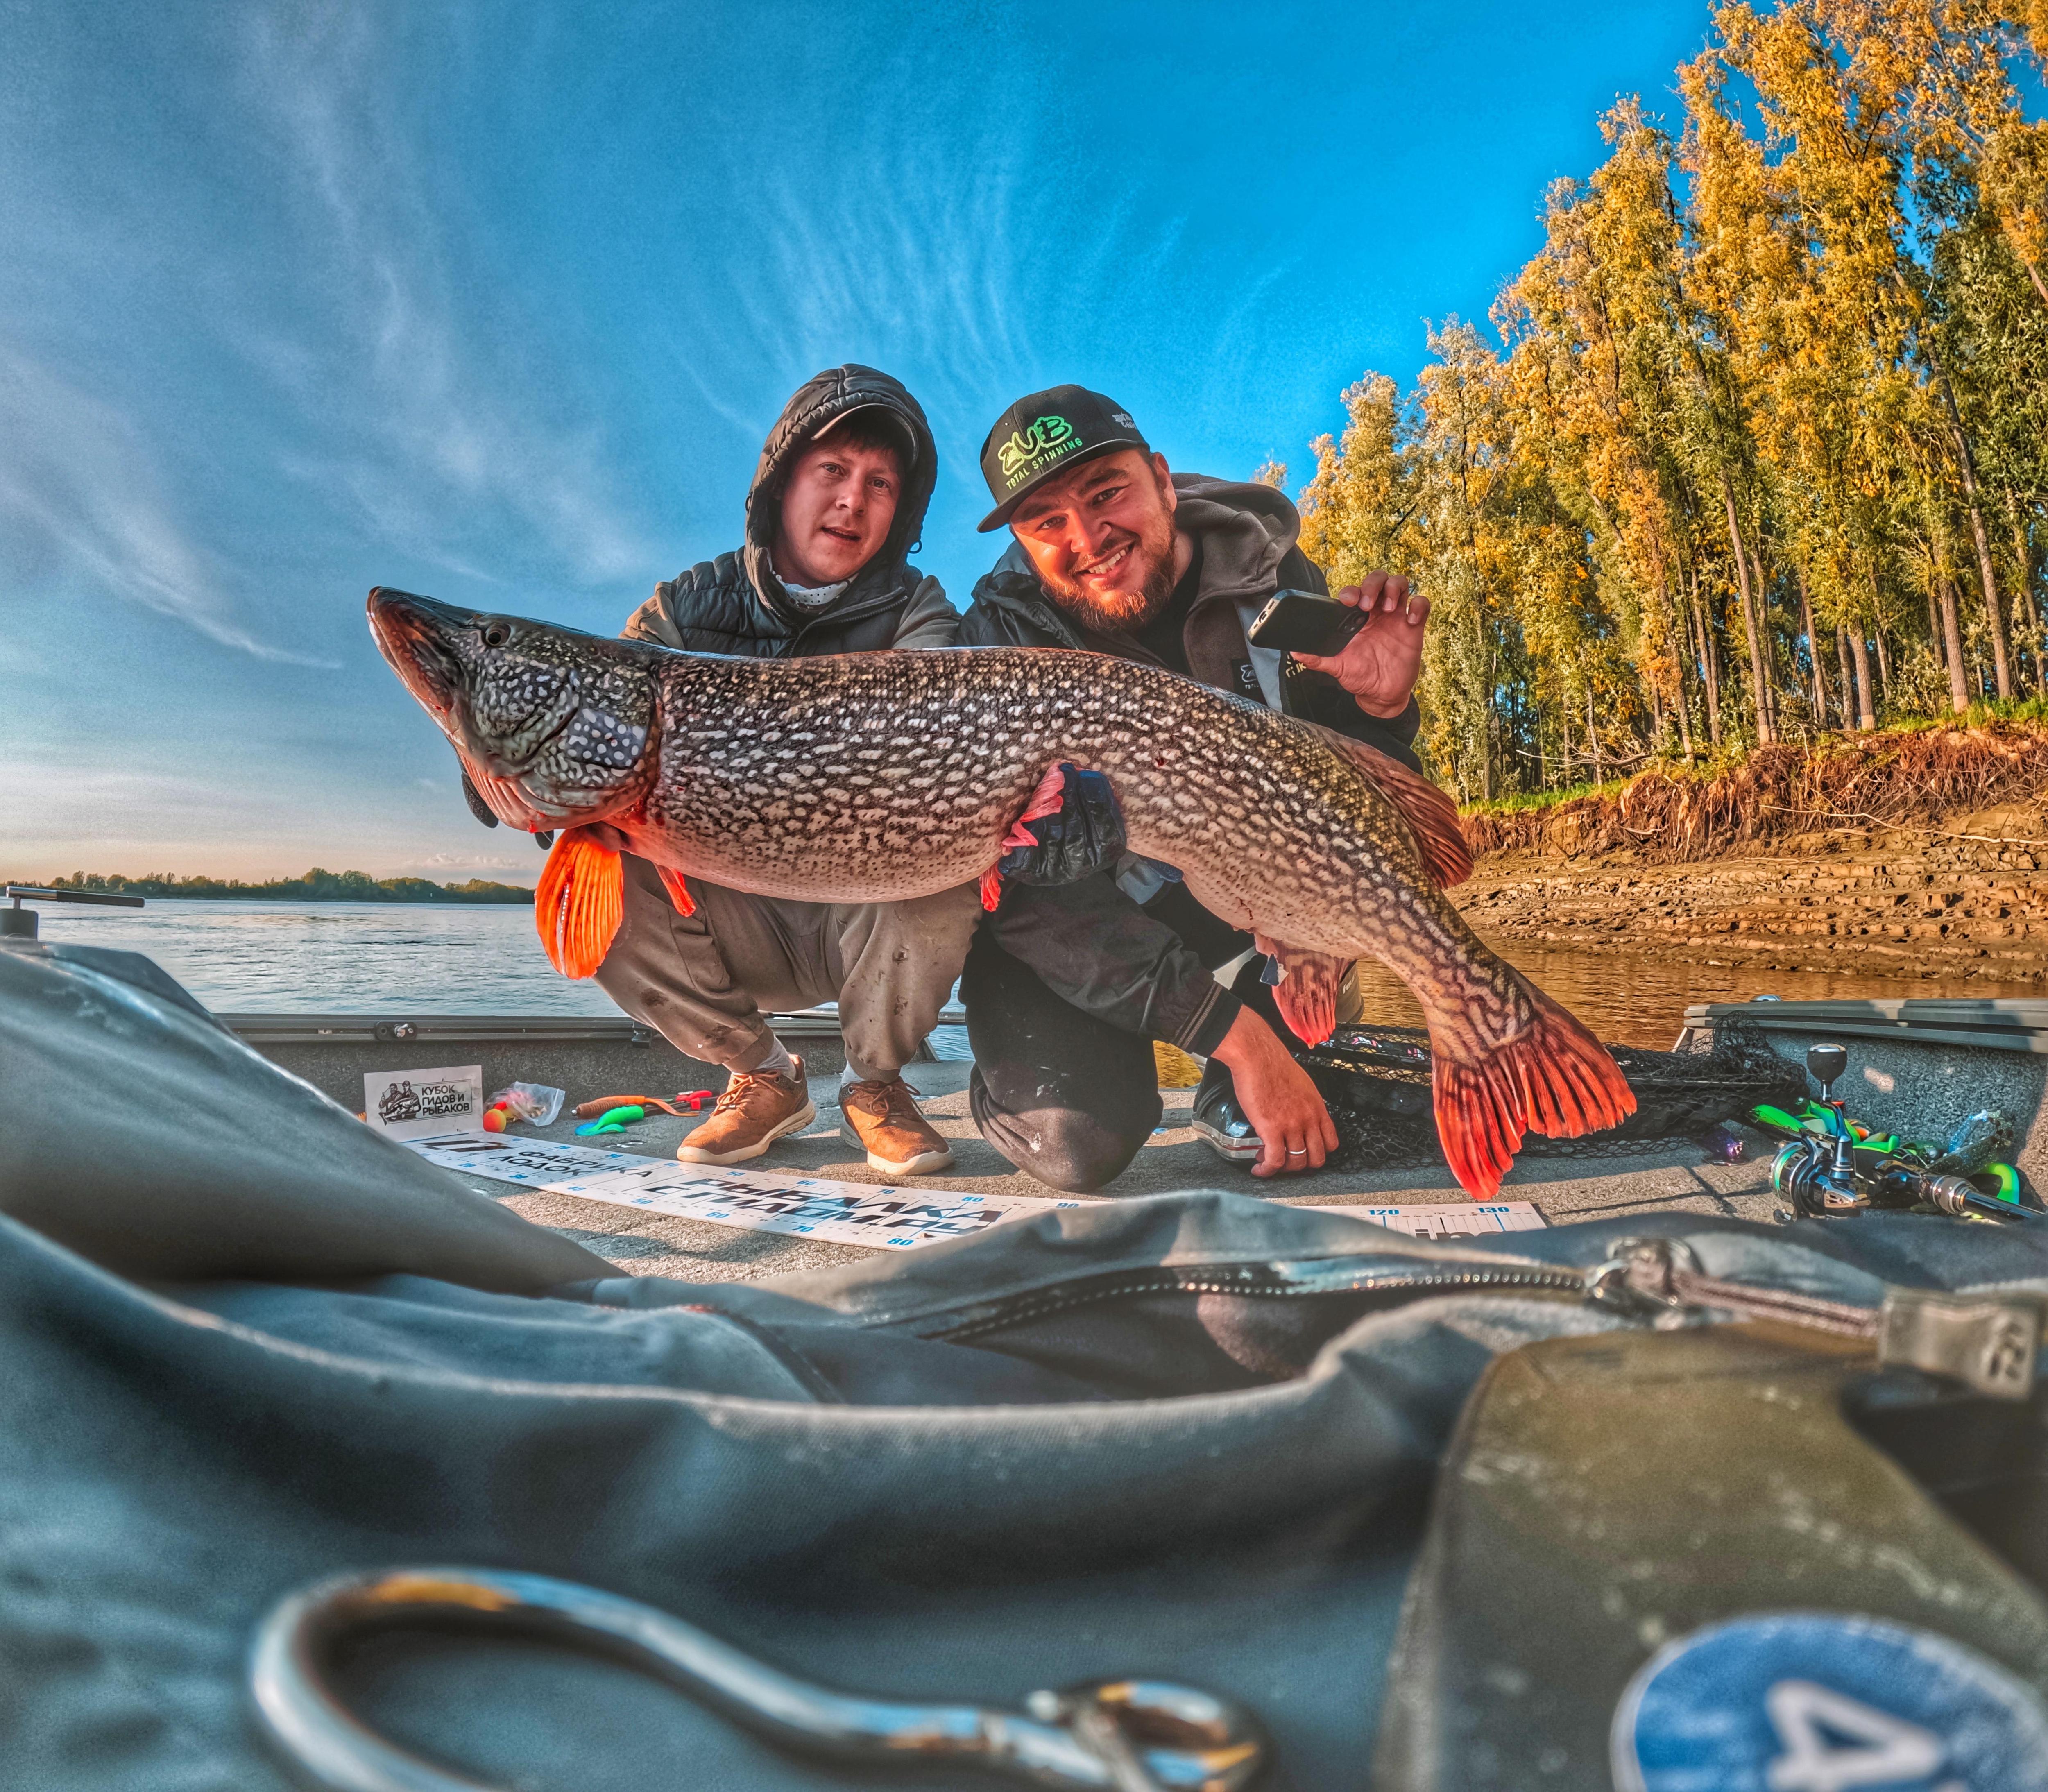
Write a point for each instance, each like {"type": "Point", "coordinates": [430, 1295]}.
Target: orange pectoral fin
{"type": "Point", "coordinates": [580, 903]}
{"type": "Point", "coordinates": [679, 891]}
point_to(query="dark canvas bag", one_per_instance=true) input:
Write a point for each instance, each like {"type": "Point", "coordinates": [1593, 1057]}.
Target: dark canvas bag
{"type": "Point", "coordinates": [1195, 1438]}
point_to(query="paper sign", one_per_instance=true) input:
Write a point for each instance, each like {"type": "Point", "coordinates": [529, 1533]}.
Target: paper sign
{"type": "Point", "coordinates": [882, 1219]}
{"type": "Point", "coordinates": [406, 1105]}
{"type": "Point", "coordinates": [533, 1162]}
{"type": "Point", "coordinates": [1456, 1219]}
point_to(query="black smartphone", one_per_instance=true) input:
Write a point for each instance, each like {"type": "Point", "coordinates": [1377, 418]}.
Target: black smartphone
{"type": "Point", "coordinates": [1304, 622]}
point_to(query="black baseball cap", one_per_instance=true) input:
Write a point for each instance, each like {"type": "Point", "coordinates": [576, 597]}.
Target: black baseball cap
{"type": "Point", "coordinates": [1046, 433]}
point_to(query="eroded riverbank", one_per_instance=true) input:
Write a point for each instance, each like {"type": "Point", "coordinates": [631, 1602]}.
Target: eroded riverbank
{"type": "Point", "coordinates": [1966, 903]}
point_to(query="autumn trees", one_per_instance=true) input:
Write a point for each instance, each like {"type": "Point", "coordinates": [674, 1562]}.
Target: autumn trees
{"type": "Point", "coordinates": [1758, 443]}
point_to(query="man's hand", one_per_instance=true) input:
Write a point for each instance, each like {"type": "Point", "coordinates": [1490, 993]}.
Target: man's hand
{"type": "Point", "coordinates": [1379, 663]}
{"type": "Point", "coordinates": [1294, 1128]}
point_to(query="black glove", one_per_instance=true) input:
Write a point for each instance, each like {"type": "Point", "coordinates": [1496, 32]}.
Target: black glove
{"type": "Point", "coordinates": [481, 810]}
{"type": "Point", "coordinates": [1084, 837]}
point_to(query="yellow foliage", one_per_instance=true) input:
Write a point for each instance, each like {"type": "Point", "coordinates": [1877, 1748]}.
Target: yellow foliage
{"type": "Point", "coordinates": [1784, 364]}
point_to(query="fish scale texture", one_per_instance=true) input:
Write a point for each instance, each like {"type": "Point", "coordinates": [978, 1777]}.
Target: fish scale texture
{"type": "Point", "coordinates": [882, 777]}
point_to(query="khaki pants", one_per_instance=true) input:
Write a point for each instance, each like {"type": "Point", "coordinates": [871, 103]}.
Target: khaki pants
{"type": "Point", "coordinates": [704, 982]}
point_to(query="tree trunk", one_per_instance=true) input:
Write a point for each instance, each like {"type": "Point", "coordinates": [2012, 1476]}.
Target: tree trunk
{"type": "Point", "coordinates": [1685, 715]}
{"type": "Point", "coordinates": [1710, 671]}
{"type": "Point", "coordinates": [1952, 641]}
{"type": "Point", "coordinates": [1759, 696]}
{"type": "Point", "coordinates": [2022, 557]}
{"type": "Point", "coordinates": [1966, 463]}
{"type": "Point", "coordinates": [2001, 647]}
{"type": "Point", "coordinates": [1761, 586]}
{"type": "Point", "coordinates": [1859, 653]}
{"type": "Point", "coordinates": [2033, 273]}
{"type": "Point", "coordinates": [1848, 676]}
{"type": "Point", "coordinates": [1883, 662]}
{"type": "Point", "coordinates": [1592, 733]}
{"type": "Point", "coordinates": [1813, 654]}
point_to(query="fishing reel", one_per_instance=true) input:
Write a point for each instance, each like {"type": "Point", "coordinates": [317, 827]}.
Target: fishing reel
{"type": "Point", "coordinates": [1841, 1168]}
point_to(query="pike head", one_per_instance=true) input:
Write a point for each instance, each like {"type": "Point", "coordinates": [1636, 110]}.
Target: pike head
{"type": "Point", "coordinates": [555, 728]}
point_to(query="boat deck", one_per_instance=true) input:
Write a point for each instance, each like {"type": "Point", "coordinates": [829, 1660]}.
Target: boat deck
{"type": "Point", "coordinates": [1915, 1066]}
{"type": "Point", "coordinates": [1658, 1177]}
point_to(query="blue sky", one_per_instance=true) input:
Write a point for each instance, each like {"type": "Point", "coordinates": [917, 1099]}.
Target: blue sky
{"type": "Point", "coordinates": [497, 303]}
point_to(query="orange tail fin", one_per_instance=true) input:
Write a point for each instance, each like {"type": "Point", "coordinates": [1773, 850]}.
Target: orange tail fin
{"type": "Point", "coordinates": [580, 903]}
{"type": "Point", "coordinates": [679, 891]}
{"type": "Point", "coordinates": [1556, 1079]}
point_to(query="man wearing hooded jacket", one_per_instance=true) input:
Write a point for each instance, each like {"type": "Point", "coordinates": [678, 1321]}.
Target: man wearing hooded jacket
{"type": "Point", "coordinates": [837, 500]}
{"type": "Point", "coordinates": [1073, 976]}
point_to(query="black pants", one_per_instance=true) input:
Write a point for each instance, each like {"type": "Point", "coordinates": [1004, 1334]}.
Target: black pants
{"type": "Point", "coordinates": [1064, 1096]}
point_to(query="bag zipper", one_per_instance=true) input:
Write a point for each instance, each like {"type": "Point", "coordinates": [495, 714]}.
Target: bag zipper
{"type": "Point", "coordinates": [1989, 1342]}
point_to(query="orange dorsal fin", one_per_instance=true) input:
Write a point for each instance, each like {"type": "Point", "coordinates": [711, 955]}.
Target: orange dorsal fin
{"type": "Point", "coordinates": [679, 891]}
{"type": "Point", "coordinates": [580, 903]}
{"type": "Point", "coordinates": [1431, 816]}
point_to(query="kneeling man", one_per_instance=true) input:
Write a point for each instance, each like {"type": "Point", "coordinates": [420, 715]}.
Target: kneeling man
{"type": "Point", "coordinates": [839, 494]}
{"type": "Point", "coordinates": [1068, 984]}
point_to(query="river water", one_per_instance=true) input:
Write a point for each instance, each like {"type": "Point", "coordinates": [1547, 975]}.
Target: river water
{"type": "Point", "coordinates": [431, 958]}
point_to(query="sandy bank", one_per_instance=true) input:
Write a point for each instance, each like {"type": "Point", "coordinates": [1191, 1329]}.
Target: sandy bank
{"type": "Point", "coordinates": [1904, 902]}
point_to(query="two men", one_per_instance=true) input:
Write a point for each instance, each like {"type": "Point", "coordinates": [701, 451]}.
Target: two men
{"type": "Point", "coordinates": [1066, 985]}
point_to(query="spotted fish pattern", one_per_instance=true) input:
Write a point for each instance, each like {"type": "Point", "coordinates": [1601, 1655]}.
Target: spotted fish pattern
{"type": "Point", "coordinates": [882, 776]}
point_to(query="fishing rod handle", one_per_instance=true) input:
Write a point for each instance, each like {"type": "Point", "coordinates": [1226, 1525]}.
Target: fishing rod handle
{"type": "Point", "coordinates": [1127, 1735]}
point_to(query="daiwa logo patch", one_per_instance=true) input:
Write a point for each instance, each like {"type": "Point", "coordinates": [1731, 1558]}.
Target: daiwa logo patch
{"type": "Point", "coordinates": [1047, 438]}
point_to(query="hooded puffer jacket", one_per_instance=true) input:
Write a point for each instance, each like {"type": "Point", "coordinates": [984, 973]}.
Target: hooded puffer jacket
{"type": "Point", "coordinates": [736, 604]}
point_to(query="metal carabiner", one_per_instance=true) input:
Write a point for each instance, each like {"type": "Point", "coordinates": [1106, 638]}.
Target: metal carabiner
{"type": "Point", "coordinates": [1125, 1735]}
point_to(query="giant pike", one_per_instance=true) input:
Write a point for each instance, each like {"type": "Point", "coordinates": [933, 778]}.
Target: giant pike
{"type": "Point", "coordinates": [880, 776]}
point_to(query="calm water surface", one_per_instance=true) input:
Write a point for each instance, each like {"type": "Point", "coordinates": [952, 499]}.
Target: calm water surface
{"type": "Point", "coordinates": [1636, 1000]}
{"type": "Point", "coordinates": [344, 958]}
{"type": "Point", "coordinates": [402, 958]}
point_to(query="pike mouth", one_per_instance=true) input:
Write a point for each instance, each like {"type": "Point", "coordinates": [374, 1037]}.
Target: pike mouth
{"type": "Point", "coordinates": [409, 632]}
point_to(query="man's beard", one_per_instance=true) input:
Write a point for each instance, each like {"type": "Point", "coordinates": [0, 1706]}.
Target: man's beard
{"type": "Point", "coordinates": [1121, 612]}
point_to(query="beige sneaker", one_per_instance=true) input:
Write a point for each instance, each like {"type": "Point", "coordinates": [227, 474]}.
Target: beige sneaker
{"type": "Point", "coordinates": [883, 1120]}
{"type": "Point", "coordinates": [754, 1111]}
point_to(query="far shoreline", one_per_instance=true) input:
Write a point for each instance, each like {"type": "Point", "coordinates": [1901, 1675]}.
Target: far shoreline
{"type": "Point", "coordinates": [318, 884]}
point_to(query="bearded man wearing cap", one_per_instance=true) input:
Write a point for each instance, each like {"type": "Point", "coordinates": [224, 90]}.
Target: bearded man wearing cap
{"type": "Point", "coordinates": [837, 501]}
{"type": "Point", "coordinates": [1093, 953]}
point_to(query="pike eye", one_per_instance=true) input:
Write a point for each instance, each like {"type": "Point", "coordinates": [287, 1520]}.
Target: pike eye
{"type": "Point", "coordinates": [496, 634]}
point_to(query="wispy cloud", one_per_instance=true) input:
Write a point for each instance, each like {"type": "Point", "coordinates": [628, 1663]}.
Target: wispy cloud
{"type": "Point", "coordinates": [438, 437]}
{"type": "Point", "coordinates": [530, 863]}
{"type": "Point", "coordinates": [76, 477]}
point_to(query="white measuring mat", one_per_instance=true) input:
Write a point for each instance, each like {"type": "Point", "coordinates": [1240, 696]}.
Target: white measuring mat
{"type": "Point", "coordinates": [883, 1219]}
{"type": "Point", "coordinates": [1454, 1219]}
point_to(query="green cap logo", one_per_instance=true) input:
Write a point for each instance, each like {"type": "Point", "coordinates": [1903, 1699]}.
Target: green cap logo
{"type": "Point", "coordinates": [1048, 437]}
